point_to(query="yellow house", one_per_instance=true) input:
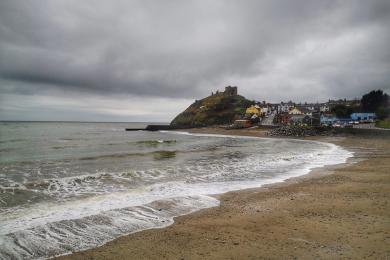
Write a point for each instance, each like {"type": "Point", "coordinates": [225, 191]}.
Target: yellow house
{"type": "Point", "coordinates": [252, 110]}
{"type": "Point", "coordinates": [295, 111]}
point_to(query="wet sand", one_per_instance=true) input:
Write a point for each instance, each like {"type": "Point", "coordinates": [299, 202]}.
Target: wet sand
{"type": "Point", "coordinates": [338, 212]}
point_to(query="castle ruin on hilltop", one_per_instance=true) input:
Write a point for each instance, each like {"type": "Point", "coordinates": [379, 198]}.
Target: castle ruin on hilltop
{"type": "Point", "coordinates": [229, 91]}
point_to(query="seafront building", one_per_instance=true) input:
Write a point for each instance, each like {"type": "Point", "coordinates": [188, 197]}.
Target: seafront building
{"type": "Point", "coordinates": [310, 114]}
{"type": "Point", "coordinates": [363, 117]}
{"type": "Point", "coordinates": [253, 110]}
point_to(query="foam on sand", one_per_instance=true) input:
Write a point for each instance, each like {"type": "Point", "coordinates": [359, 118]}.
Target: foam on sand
{"type": "Point", "coordinates": [47, 228]}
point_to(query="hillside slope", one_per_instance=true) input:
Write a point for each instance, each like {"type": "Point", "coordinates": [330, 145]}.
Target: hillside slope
{"type": "Point", "coordinates": [216, 109]}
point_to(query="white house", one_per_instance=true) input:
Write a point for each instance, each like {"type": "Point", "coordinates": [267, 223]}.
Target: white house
{"type": "Point", "coordinates": [295, 111]}
{"type": "Point", "coordinates": [264, 110]}
{"type": "Point", "coordinates": [285, 107]}
{"type": "Point", "coordinates": [324, 108]}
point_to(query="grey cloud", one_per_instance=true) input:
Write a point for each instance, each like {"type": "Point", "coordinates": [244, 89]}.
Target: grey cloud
{"type": "Point", "coordinates": [185, 49]}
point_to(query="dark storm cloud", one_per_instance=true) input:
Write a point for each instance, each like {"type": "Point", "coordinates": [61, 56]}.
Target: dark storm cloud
{"type": "Point", "coordinates": [271, 49]}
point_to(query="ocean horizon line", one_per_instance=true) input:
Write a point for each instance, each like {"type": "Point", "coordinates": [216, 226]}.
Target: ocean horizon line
{"type": "Point", "coordinates": [76, 121]}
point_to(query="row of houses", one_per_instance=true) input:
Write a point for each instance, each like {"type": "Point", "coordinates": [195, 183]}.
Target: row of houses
{"type": "Point", "coordinates": [311, 115]}
{"type": "Point", "coordinates": [324, 119]}
{"type": "Point", "coordinates": [298, 116]}
{"type": "Point", "coordinates": [269, 108]}
{"type": "Point", "coordinates": [290, 113]}
{"type": "Point", "coordinates": [303, 116]}
{"type": "Point", "coordinates": [287, 107]}
{"type": "Point", "coordinates": [266, 110]}
{"type": "Point", "coordinates": [354, 118]}
{"type": "Point", "coordinates": [278, 114]}
{"type": "Point", "coordinates": [316, 107]}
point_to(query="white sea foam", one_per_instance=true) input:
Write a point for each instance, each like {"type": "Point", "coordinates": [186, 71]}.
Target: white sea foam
{"type": "Point", "coordinates": [69, 235]}
{"type": "Point", "coordinates": [47, 229]}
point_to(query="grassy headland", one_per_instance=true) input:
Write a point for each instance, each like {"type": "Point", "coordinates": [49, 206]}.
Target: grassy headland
{"type": "Point", "coordinates": [216, 109]}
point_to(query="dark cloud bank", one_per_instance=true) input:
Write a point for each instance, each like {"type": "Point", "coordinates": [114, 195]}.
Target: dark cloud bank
{"type": "Point", "coordinates": [115, 55]}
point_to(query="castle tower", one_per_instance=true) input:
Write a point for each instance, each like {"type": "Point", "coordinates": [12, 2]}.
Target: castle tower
{"type": "Point", "coordinates": [230, 91]}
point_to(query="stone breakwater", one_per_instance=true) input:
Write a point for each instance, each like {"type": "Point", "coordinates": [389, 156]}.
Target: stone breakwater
{"type": "Point", "coordinates": [299, 131]}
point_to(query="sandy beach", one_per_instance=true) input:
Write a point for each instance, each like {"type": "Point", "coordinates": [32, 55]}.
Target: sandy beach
{"type": "Point", "coordinates": [340, 212]}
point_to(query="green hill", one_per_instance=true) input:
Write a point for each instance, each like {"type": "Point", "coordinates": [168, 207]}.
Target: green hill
{"type": "Point", "coordinates": [217, 109]}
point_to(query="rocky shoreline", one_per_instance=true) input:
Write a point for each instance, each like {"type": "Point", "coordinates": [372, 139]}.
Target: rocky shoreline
{"type": "Point", "coordinates": [298, 131]}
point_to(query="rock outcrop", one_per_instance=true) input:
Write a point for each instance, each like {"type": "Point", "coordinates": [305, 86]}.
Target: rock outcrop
{"type": "Point", "coordinates": [299, 131]}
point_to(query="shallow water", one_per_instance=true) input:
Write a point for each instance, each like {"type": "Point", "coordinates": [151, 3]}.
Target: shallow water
{"type": "Point", "coordinates": [71, 186]}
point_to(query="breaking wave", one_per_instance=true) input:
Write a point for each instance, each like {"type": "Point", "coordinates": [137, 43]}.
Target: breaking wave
{"type": "Point", "coordinates": [67, 212]}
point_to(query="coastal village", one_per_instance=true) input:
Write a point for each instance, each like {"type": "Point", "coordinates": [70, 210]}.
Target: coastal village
{"type": "Point", "coordinates": [229, 110]}
{"type": "Point", "coordinates": [302, 114]}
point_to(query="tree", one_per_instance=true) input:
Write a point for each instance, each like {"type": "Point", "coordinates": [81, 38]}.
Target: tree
{"type": "Point", "coordinates": [342, 111]}
{"type": "Point", "coordinates": [382, 112]}
{"type": "Point", "coordinates": [376, 102]}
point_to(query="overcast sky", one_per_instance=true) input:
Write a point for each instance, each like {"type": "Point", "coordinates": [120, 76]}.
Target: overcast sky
{"type": "Point", "coordinates": [148, 60]}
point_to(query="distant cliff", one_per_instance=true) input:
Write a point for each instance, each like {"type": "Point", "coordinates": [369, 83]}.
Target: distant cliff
{"type": "Point", "coordinates": [217, 109]}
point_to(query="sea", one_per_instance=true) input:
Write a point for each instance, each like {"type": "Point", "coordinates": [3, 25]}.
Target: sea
{"type": "Point", "coordinates": [70, 186]}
